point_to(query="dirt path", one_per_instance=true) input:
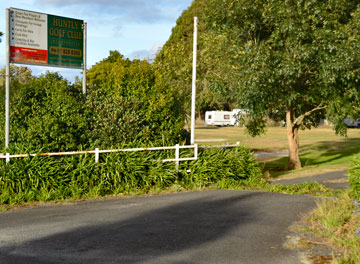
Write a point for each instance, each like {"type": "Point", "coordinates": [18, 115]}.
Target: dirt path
{"type": "Point", "coordinates": [335, 180]}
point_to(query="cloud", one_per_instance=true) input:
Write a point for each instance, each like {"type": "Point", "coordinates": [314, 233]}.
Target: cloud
{"type": "Point", "coordinates": [146, 54]}
{"type": "Point", "coordinates": [131, 11]}
{"type": "Point", "coordinates": [156, 48]}
{"type": "Point", "coordinates": [68, 74]}
{"type": "Point", "coordinates": [117, 31]}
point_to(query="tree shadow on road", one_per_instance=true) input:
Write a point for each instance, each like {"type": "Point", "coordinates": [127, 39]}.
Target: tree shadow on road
{"type": "Point", "coordinates": [149, 235]}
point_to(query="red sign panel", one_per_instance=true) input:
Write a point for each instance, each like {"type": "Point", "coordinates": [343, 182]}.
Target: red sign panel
{"type": "Point", "coordinates": [27, 55]}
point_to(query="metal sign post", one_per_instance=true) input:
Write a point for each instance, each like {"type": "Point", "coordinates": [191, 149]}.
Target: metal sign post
{"type": "Point", "coordinates": [84, 63]}
{"type": "Point", "coordinates": [193, 94]}
{"type": "Point", "coordinates": [7, 80]}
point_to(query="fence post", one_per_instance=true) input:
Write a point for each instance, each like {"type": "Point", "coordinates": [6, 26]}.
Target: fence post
{"type": "Point", "coordinates": [97, 155]}
{"type": "Point", "coordinates": [196, 149]}
{"type": "Point", "coordinates": [177, 156]}
{"type": "Point", "coordinates": [7, 157]}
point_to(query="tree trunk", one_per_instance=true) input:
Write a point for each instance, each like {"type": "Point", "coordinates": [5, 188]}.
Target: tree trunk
{"type": "Point", "coordinates": [293, 139]}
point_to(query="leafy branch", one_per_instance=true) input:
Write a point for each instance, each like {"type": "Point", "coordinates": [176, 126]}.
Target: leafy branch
{"type": "Point", "coordinates": [299, 120]}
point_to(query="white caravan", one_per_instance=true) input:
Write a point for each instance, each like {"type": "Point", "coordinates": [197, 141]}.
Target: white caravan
{"type": "Point", "coordinates": [352, 123]}
{"type": "Point", "coordinates": [222, 118]}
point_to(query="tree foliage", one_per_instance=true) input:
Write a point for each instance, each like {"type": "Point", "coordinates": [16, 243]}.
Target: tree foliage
{"type": "Point", "coordinates": [18, 75]}
{"type": "Point", "coordinates": [294, 58]}
{"type": "Point", "coordinates": [123, 108]}
{"type": "Point", "coordinates": [46, 114]}
{"type": "Point", "coordinates": [173, 64]}
{"type": "Point", "coordinates": [133, 83]}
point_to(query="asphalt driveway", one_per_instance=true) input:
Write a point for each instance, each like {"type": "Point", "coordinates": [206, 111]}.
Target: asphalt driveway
{"type": "Point", "coordinates": [217, 226]}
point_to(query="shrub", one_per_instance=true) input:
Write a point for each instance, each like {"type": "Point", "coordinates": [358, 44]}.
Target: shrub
{"type": "Point", "coordinates": [47, 114]}
{"type": "Point", "coordinates": [153, 110]}
{"type": "Point", "coordinates": [51, 178]}
{"type": "Point", "coordinates": [222, 166]}
{"type": "Point", "coordinates": [114, 120]}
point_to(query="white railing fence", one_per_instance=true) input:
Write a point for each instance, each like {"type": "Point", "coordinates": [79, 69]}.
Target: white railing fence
{"type": "Point", "coordinates": [97, 152]}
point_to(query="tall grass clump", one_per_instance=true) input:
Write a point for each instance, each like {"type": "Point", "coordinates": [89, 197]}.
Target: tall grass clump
{"type": "Point", "coordinates": [223, 168]}
{"type": "Point", "coordinates": [313, 188]}
{"type": "Point", "coordinates": [51, 178]}
{"type": "Point", "coordinates": [337, 223]}
{"type": "Point", "coordinates": [76, 177]}
{"type": "Point", "coordinates": [354, 177]}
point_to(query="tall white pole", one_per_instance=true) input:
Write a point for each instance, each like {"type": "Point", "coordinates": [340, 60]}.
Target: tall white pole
{"type": "Point", "coordinates": [7, 80]}
{"type": "Point", "coordinates": [193, 94]}
{"type": "Point", "coordinates": [84, 62]}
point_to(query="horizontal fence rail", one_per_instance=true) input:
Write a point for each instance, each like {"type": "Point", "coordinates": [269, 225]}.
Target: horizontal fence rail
{"type": "Point", "coordinates": [97, 152]}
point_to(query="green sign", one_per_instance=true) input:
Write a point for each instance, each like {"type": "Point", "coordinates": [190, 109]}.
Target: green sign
{"type": "Point", "coordinates": [65, 42]}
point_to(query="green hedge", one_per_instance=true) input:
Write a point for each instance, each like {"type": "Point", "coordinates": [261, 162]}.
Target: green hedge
{"type": "Point", "coordinates": [48, 115]}
{"type": "Point", "coordinates": [54, 178]}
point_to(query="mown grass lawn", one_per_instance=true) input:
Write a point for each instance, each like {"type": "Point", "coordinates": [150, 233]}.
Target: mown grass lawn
{"type": "Point", "coordinates": [321, 149]}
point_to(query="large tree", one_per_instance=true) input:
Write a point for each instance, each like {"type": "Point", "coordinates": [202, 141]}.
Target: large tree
{"type": "Point", "coordinates": [298, 59]}
{"type": "Point", "coordinates": [295, 59]}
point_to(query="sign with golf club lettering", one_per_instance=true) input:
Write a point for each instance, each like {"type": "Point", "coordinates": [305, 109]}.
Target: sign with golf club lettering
{"type": "Point", "coordinates": [48, 40]}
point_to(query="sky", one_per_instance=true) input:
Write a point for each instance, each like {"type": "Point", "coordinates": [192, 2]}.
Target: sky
{"type": "Point", "coordinates": [136, 28]}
